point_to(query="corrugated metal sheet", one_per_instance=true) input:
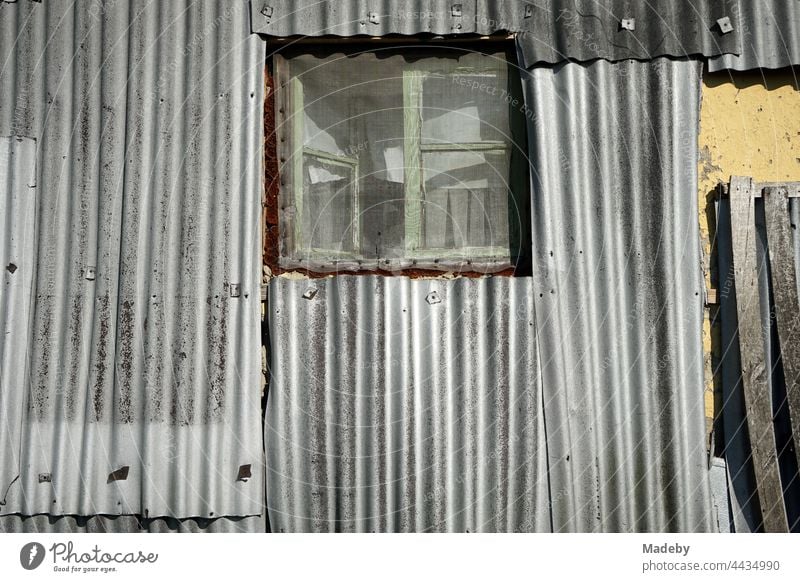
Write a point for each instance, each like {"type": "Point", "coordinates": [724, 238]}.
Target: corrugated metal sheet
{"type": "Point", "coordinates": [619, 292]}
{"type": "Point", "coordinates": [148, 120]}
{"type": "Point", "coordinates": [770, 36]}
{"type": "Point", "coordinates": [128, 524]}
{"type": "Point", "coordinates": [554, 30]}
{"type": "Point", "coordinates": [584, 30]}
{"type": "Point", "coordinates": [404, 405]}
{"type": "Point", "coordinates": [17, 208]}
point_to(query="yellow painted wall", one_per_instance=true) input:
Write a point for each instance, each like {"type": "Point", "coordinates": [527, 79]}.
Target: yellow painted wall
{"type": "Point", "coordinates": [749, 126]}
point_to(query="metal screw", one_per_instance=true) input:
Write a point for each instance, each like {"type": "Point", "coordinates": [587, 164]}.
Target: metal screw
{"type": "Point", "coordinates": [45, 478]}
{"type": "Point", "coordinates": [628, 24]}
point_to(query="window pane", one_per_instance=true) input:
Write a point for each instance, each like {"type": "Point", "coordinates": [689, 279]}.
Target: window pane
{"type": "Point", "coordinates": [328, 206]}
{"type": "Point", "coordinates": [462, 108]}
{"type": "Point", "coordinates": [402, 155]}
{"type": "Point", "coordinates": [466, 199]}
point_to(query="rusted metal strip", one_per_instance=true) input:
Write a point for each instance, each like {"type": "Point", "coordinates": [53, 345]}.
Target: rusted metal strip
{"type": "Point", "coordinates": [787, 303]}
{"type": "Point", "coordinates": [757, 393]}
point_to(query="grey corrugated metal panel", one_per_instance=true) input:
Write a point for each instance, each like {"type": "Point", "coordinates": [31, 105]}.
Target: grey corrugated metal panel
{"type": "Point", "coordinates": [149, 125]}
{"type": "Point", "coordinates": [283, 18]}
{"type": "Point", "coordinates": [17, 261]}
{"type": "Point", "coordinates": [618, 293]}
{"type": "Point", "coordinates": [552, 30]}
{"type": "Point", "coordinates": [128, 524]}
{"type": "Point", "coordinates": [584, 30]}
{"type": "Point", "coordinates": [770, 36]}
{"type": "Point", "coordinates": [404, 405]}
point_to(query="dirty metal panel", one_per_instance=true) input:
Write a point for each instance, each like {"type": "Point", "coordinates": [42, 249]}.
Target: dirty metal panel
{"type": "Point", "coordinates": [17, 261]}
{"type": "Point", "coordinates": [283, 18]}
{"type": "Point", "coordinates": [551, 31]}
{"type": "Point", "coordinates": [128, 524]}
{"type": "Point", "coordinates": [770, 36]}
{"type": "Point", "coordinates": [404, 405]}
{"type": "Point", "coordinates": [584, 30]}
{"type": "Point", "coordinates": [144, 367]}
{"type": "Point", "coordinates": [618, 293]}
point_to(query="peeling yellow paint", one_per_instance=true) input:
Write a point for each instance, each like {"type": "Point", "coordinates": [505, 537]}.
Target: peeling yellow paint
{"type": "Point", "coordinates": [749, 126]}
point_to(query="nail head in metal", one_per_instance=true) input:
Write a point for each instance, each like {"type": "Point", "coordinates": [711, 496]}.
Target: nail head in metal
{"type": "Point", "coordinates": [374, 18]}
{"type": "Point", "coordinates": [456, 10]}
{"type": "Point", "coordinates": [725, 25]}
{"type": "Point", "coordinates": [90, 273]}
{"type": "Point", "coordinates": [528, 11]}
{"type": "Point", "coordinates": [628, 24]}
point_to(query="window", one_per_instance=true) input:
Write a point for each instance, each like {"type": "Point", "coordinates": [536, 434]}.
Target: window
{"type": "Point", "coordinates": [393, 161]}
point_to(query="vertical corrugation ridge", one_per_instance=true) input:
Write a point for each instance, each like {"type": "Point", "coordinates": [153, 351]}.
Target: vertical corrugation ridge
{"type": "Point", "coordinates": [148, 120]}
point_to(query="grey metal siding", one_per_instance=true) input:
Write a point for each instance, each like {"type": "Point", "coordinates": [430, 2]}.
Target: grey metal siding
{"type": "Point", "coordinates": [17, 264]}
{"type": "Point", "coordinates": [618, 292]}
{"type": "Point", "coordinates": [148, 120]}
{"type": "Point", "coordinates": [770, 36]}
{"type": "Point", "coordinates": [552, 30]}
{"type": "Point", "coordinates": [405, 405]}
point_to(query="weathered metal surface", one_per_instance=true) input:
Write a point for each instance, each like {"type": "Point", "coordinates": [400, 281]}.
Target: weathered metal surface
{"type": "Point", "coordinates": [553, 30]}
{"type": "Point", "coordinates": [17, 264]}
{"type": "Point", "coordinates": [128, 524]}
{"type": "Point", "coordinates": [584, 30]}
{"type": "Point", "coordinates": [770, 36]}
{"type": "Point", "coordinates": [148, 123]}
{"type": "Point", "coordinates": [405, 405]}
{"type": "Point", "coordinates": [757, 392]}
{"type": "Point", "coordinates": [785, 294]}
{"type": "Point", "coordinates": [416, 405]}
{"type": "Point", "coordinates": [618, 293]}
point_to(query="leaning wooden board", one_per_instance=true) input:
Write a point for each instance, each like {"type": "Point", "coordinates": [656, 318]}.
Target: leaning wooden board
{"type": "Point", "coordinates": [784, 292]}
{"type": "Point", "coordinates": [757, 392]}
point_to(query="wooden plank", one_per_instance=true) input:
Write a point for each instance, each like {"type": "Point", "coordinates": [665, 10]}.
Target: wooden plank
{"type": "Point", "coordinates": [757, 393]}
{"type": "Point", "coordinates": [787, 303]}
{"type": "Point", "coordinates": [792, 188]}
{"type": "Point", "coordinates": [412, 128]}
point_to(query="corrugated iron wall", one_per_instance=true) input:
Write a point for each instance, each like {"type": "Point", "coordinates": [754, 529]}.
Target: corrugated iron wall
{"type": "Point", "coordinates": [405, 405]}
{"type": "Point", "coordinates": [619, 292]}
{"type": "Point", "coordinates": [128, 524]}
{"type": "Point", "coordinates": [769, 31]}
{"type": "Point", "coordinates": [147, 117]}
{"type": "Point", "coordinates": [17, 261]}
{"type": "Point", "coordinates": [384, 396]}
{"type": "Point", "coordinates": [551, 30]}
